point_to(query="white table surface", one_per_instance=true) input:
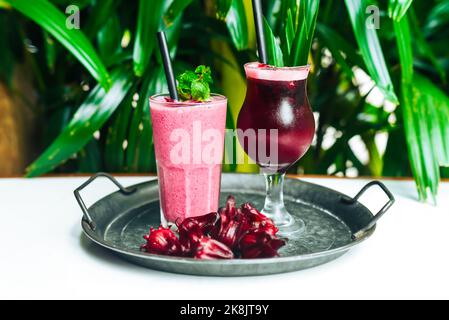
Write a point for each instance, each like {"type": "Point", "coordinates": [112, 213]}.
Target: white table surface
{"type": "Point", "coordinates": [44, 254]}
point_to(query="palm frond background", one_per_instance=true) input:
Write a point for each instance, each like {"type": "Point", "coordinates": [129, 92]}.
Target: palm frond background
{"type": "Point", "coordinates": [367, 84]}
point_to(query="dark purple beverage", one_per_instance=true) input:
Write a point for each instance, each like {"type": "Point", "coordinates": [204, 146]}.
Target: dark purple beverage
{"type": "Point", "coordinates": [276, 99]}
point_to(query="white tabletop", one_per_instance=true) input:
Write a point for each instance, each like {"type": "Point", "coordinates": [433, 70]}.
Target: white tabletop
{"type": "Point", "coordinates": [44, 254]}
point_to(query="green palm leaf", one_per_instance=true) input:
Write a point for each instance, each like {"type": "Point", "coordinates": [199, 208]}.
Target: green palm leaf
{"type": "Point", "coordinates": [175, 9]}
{"type": "Point", "coordinates": [403, 38]}
{"type": "Point", "coordinates": [334, 42]}
{"type": "Point", "coordinates": [50, 51]}
{"type": "Point", "coordinates": [53, 21]}
{"type": "Point", "coordinates": [274, 51]}
{"type": "Point", "coordinates": [423, 47]}
{"type": "Point", "coordinates": [149, 18]}
{"type": "Point", "coordinates": [237, 25]}
{"type": "Point", "coordinates": [140, 151]}
{"type": "Point", "coordinates": [99, 16]}
{"type": "Point", "coordinates": [307, 19]}
{"type": "Point", "coordinates": [419, 142]}
{"type": "Point", "coordinates": [114, 151]}
{"type": "Point", "coordinates": [64, 3]}
{"type": "Point", "coordinates": [108, 39]}
{"type": "Point", "coordinates": [91, 115]}
{"type": "Point", "coordinates": [289, 34]}
{"type": "Point", "coordinates": [398, 8]}
{"type": "Point", "coordinates": [438, 17]}
{"type": "Point", "coordinates": [279, 18]}
{"type": "Point", "coordinates": [222, 8]}
{"type": "Point", "coordinates": [370, 48]}
{"type": "Point", "coordinates": [425, 111]}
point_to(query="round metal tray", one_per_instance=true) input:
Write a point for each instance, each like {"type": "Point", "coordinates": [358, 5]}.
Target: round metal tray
{"type": "Point", "coordinates": [334, 224]}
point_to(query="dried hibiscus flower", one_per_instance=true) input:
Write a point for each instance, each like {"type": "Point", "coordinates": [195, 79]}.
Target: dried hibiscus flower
{"type": "Point", "coordinates": [208, 248]}
{"type": "Point", "coordinates": [206, 222]}
{"type": "Point", "coordinates": [259, 220]}
{"type": "Point", "coordinates": [191, 230]}
{"type": "Point", "coordinates": [232, 228]}
{"type": "Point", "coordinates": [232, 232]}
{"type": "Point", "coordinates": [257, 243]}
{"type": "Point", "coordinates": [162, 241]}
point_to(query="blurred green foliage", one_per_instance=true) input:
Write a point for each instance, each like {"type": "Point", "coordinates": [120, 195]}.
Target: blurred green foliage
{"type": "Point", "coordinates": [367, 81]}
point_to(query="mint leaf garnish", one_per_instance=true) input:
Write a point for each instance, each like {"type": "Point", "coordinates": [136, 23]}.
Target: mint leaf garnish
{"type": "Point", "coordinates": [195, 85]}
{"type": "Point", "coordinates": [200, 90]}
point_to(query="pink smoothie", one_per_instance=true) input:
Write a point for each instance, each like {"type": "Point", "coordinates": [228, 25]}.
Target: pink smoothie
{"type": "Point", "coordinates": [188, 140]}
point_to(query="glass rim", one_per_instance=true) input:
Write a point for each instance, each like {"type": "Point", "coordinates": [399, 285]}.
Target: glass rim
{"type": "Point", "coordinates": [218, 99]}
{"type": "Point", "coordinates": [255, 65]}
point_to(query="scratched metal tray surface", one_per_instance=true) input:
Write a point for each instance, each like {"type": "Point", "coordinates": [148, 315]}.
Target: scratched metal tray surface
{"type": "Point", "coordinates": [334, 224]}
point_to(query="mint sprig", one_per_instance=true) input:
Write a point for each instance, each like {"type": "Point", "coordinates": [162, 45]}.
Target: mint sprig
{"type": "Point", "coordinates": [195, 85]}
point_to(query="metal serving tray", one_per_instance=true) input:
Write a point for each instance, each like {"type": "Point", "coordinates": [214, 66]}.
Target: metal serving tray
{"type": "Point", "coordinates": [334, 224]}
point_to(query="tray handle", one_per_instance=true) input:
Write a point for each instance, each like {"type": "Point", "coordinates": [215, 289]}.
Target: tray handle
{"type": "Point", "coordinates": [86, 215]}
{"type": "Point", "coordinates": [379, 214]}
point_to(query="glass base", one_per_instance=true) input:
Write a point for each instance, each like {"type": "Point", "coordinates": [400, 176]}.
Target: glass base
{"type": "Point", "coordinates": [167, 224]}
{"type": "Point", "coordinates": [274, 208]}
{"type": "Point", "coordinates": [289, 227]}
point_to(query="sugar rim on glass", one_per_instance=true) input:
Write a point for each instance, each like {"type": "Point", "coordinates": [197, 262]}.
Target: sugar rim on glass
{"type": "Point", "coordinates": [266, 72]}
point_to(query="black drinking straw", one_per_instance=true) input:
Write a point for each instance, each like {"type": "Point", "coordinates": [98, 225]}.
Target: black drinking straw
{"type": "Point", "coordinates": [258, 21]}
{"type": "Point", "coordinates": [162, 39]}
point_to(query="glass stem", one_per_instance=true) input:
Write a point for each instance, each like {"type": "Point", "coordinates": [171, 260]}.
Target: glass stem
{"type": "Point", "coordinates": [274, 206]}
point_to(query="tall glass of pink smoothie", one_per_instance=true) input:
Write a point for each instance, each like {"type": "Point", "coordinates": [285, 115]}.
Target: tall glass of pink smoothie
{"type": "Point", "coordinates": [189, 141]}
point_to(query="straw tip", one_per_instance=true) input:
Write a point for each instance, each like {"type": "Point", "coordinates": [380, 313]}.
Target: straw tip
{"type": "Point", "coordinates": [161, 35]}
{"type": "Point", "coordinates": [169, 74]}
